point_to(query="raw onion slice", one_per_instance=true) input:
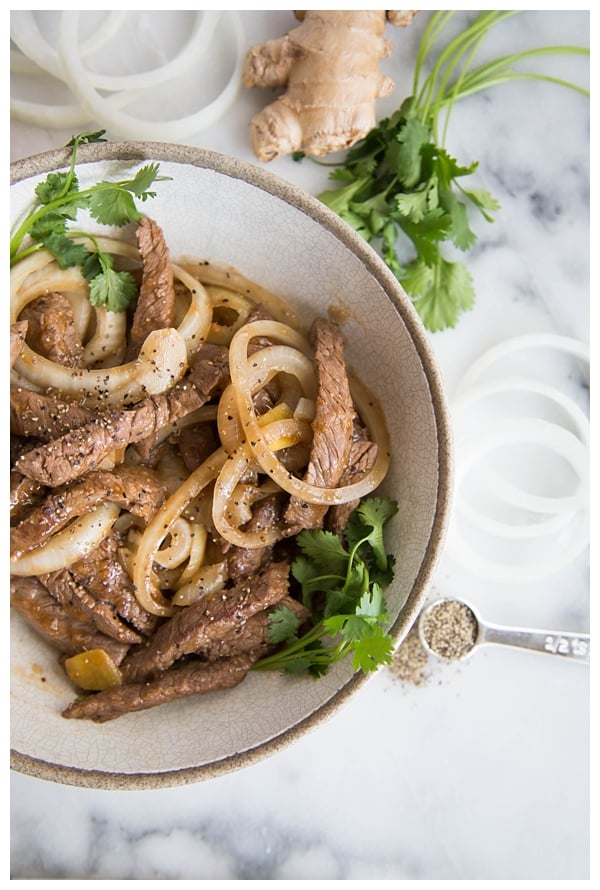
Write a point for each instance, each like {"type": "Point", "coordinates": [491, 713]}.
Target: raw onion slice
{"type": "Point", "coordinates": [129, 126]}
{"type": "Point", "coordinates": [25, 33]}
{"type": "Point", "coordinates": [565, 518]}
{"type": "Point", "coordinates": [527, 341]}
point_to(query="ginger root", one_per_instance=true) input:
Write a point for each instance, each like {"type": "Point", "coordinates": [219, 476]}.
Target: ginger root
{"type": "Point", "coordinates": [329, 67]}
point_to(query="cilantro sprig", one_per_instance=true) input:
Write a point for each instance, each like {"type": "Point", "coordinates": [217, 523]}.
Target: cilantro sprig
{"type": "Point", "coordinates": [401, 189]}
{"type": "Point", "coordinates": [342, 583]}
{"type": "Point", "coordinates": [58, 200]}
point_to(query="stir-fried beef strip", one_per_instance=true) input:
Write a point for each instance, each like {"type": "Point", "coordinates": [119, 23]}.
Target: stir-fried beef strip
{"type": "Point", "coordinates": [332, 425]}
{"type": "Point", "coordinates": [192, 678]}
{"type": "Point", "coordinates": [136, 489]}
{"type": "Point", "coordinates": [52, 331]}
{"type": "Point", "coordinates": [363, 454]}
{"type": "Point", "coordinates": [253, 635]}
{"type": "Point", "coordinates": [98, 589]}
{"type": "Point", "coordinates": [84, 449]}
{"type": "Point", "coordinates": [245, 561]}
{"type": "Point", "coordinates": [155, 308]}
{"type": "Point", "coordinates": [41, 611]}
{"type": "Point", "coordinates": [24, 495]}
{"type": "Point", "coordinates": [207, 619]}
{"type": "Point", "coordinates": [18, 330]}
{"type": "Point", "coordinates": [79, 603]}
{"type": "Point", "coordinates": [104, 577]}
{"type": "Point", "coordinates": [196, 442]}
{"type": "Point", "coordinates": [43, 416]}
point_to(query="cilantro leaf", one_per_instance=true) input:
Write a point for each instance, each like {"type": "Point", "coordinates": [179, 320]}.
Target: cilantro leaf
{"type": "Point", "coordinates": [325, 551]}
{"type": "Point", "coordinates": [111, 205]}
{"type": "Point", "coordinates": [65, 251]}
{"type": "Point", "coordinates": [441, 304]}
{"type": "Point", "coordinates": [58, 200]}
{"type": "Point", "coordinates": [56, 186]}
{"type": "Point", "coordinates": [353, 618]}
{"type": "Point", "coordinates": [400, 188]}
{"type": "Point", "coordinates": [112, 290]}
{"type": "Point", "coordinates": [366, 526]}
{"type": "Point", "coordinates": [283, 625]}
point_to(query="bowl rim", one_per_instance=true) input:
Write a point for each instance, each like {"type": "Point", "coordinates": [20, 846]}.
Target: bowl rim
{"type": "Point", "coordinates": [272, 183]}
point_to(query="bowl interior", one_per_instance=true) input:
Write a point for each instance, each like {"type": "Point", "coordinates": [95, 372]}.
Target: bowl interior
{"type": "Point", "coordinates": [218, 209]}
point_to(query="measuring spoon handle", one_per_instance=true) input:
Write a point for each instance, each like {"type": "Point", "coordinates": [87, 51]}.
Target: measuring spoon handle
{"type": "Point", "coordinates": [566, 645]}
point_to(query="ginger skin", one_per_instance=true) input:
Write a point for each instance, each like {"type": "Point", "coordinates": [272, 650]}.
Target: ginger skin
{"type": "Point", "coordinates": [329, 67]}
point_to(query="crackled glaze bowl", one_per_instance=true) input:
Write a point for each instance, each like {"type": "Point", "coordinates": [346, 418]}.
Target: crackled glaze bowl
{"type": "Point", "coordinates": [284, 239]}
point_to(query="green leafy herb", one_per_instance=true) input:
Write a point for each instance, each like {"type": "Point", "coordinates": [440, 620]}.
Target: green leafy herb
{"type": "Point", "coordinates": [58, 202]}
{"type": "Point", "coordinates": [401, 189]}
{"type": "Point", "coordinates": [342, 583]}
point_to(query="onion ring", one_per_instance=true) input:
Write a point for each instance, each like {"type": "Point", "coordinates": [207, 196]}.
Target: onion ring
{"type": "Point", "coordinates": [313, 494]}
{"type": "Point", "coordinates": [25, 33]}
{"type": "Point", "coordinates": [127, 125]}
{"type": "Point", "coordinates": [527, 341]}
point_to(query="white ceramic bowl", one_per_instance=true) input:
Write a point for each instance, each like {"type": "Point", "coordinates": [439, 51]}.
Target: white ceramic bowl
{"type": "Point", "coordinates": [241, 215]}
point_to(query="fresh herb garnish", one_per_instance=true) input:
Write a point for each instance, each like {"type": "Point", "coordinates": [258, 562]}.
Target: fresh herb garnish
{"type": "Point", "coordinates": [342, 583]}
{"type": "Point", "coordinates": [401, 189]}
{"type": "Point", "coordinates": [58, 202]}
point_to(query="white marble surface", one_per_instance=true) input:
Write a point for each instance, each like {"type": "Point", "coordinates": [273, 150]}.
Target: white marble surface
{"type": "Point", "coordinates": [483, 771]}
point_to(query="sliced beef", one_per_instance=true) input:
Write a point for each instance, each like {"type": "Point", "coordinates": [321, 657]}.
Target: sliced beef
{"type": "Point", "coordinates": [194, 678]}
{"type": "Point", "coordinates": [210, 618]}
{"type": "Point", "coordinates": [363, 454]}
{"type": "Point", "coordinates": [84, 449]}
{"type": "Point", "coordinates": [52, 331]}
{"type": "Point", "coordinates": [245, 561]}
{"type": "Point", "coordinates": [82, 606]}
{"type": "Point", "coordinates": [24, 495]}
{"type": "Point", "coordinates": [196, 442]}
{"type": "Point", "coordinates": [136, 489]}
{"type": "Point", "coordinates": [97, 589]}
{"type": "Point", "coordinates": [253, 635]}
{"type": "Point", "coordinates": [45, 417]}
{"type": "Point", "coordinates": [102, 574]}
{"type": "Point", "coordinates": [18, 331]}
{"type": "Point", "coordinates": [332, 425]}
{"type": "Point", "coordinates": [155, 307]}
{"type": "Point", "coordinates": [40, 610]}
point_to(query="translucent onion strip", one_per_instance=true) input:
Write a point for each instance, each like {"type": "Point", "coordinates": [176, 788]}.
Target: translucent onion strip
{"type": "Point", "coordinates": [179, 547]}
{"type": "Point", "coordinates": [71, 544]}
{"type": "Point", "coordinates": [108, 343]}
{"type": "Point", "coordinates": [146, 589]}
{"type": "Point", "coordinates": [229, 277]}
{"type": "Point", "coordinates": [209, 580]}
{"type": "Point", "coordinates": [279, 434]}
{"type": "Point", "coordinates": [199, 538]}
{"type": "Point", "coordinates": [231, 300]}
{"type": "Point", "coordinates": [196, 323]}
{"type": "Point", "coordinates": [161, 363]}
{"type": "Point", "coordinates": [368, 409]}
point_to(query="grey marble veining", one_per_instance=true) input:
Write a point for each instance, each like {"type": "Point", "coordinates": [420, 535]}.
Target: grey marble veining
{"type": "Point", "coordinates": [482, 772]}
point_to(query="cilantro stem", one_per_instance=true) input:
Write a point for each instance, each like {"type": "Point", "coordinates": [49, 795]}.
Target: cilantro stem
{"type": "Point", "coordinates": [56, 204]}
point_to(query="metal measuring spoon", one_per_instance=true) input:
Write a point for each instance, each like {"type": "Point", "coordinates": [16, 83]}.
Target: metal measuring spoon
{"type": "Point", "coordinates": [452, 629]}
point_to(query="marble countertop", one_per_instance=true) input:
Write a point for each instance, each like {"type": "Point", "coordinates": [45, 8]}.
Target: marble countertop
{"type": "Point", "coordinates": [482, 769]}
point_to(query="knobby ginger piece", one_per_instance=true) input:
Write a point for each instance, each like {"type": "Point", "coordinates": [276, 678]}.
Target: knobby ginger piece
{"type": "Point", "coordinates": [329, 67]}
